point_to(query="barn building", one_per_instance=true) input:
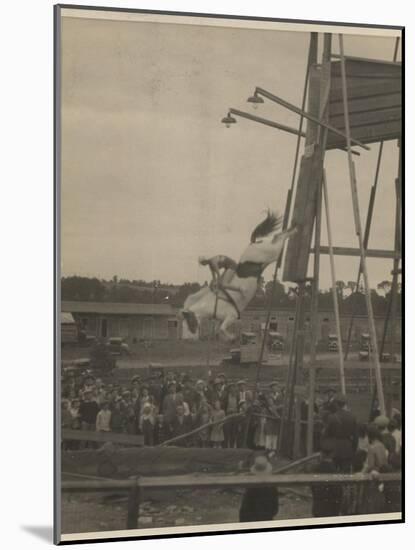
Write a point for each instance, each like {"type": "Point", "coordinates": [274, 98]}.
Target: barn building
{"type": "Point", "coordinates": [134, 322]}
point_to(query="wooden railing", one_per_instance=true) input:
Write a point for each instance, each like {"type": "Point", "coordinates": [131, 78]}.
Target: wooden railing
{"type": "Point", "coordinates": [135, 485]}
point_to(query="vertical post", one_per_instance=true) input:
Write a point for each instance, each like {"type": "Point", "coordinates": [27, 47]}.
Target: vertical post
{"type": "Point", "coordinates": [303, 185]}
{"type": "Point", "coordinates": [297, 427]}
{"type": "Point", "coordinates": [334, 290]}
{"type": "Point", "coordinates": [296, 357]}
{"type": "Point", "coordinates": [358, 228]}
{"type": "Point", "coordinates": [394, 288]}
{"type": "Point", "coordinates": [324, 93]}
{"type": "Point", "coordinates": [314, 329]}
{"type": "Point", "coordinates": [133, 505]}
{"type": "Point", "coordinates": [282, 447]}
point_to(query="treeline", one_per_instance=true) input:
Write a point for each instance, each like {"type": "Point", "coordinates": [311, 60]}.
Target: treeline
{"type": "Point", "coordinates": [86, 289]}
{"type": "Point", "coordinates": [351, 299]}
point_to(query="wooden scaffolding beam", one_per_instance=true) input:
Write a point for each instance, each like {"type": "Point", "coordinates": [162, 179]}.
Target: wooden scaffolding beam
{"type": "Point", "coordinates": [358, 229]}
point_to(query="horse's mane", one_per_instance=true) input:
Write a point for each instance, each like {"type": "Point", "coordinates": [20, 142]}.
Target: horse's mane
{"type": "Point", "coordinates": [270, 224]}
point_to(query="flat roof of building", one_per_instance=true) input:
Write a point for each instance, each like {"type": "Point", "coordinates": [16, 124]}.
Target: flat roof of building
{"type": "Point", "coordinates": [117, 308]}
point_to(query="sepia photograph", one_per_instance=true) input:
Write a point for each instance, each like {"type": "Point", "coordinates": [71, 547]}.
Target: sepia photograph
{"type": "Point", "coordinates": [229, 274]}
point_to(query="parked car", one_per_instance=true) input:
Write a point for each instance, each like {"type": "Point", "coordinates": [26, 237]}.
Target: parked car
{"type": "Point", "coordinates": [118, 346]}
{"type": "Point", "coordinates": [363, 355]}
{"type": "Point", "coordinates": [275, 342]}
{"type": "Point", "coordinates": [333, 344]}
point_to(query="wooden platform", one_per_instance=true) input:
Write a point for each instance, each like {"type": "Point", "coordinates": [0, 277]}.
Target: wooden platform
{"type": "Point", "coordinates": [374, 90]}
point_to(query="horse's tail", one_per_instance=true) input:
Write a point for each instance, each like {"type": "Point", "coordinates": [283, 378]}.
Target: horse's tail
{"type": "Point", "coordinates": [191, 320]}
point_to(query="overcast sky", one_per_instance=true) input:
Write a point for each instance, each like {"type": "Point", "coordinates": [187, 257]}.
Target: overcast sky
{"type": "Point", "coordinates": [150, 177]}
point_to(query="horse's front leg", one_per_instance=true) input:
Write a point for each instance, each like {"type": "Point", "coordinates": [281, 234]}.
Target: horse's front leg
{"type": "Point", "coordinates": [227, 322]}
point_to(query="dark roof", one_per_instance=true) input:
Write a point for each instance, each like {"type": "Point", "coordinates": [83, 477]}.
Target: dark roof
{"type": "Point", "coordinates": [118, 308]}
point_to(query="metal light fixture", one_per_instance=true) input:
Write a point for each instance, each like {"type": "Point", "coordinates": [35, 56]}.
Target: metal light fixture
{"type": "Point", "coordinates": [255, 100]}
{"type": "Point", "coordinates": [228, 120]}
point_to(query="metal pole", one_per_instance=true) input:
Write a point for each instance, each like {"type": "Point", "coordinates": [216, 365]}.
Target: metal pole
{"type": "Point", "coordinates": [310, 117]}
{"type": "Point", "coordinates": [265, 121]}
{"type": "Point", "coordinates": [334, 290]}
{"type": "Point", "coordinates": [358, 228]}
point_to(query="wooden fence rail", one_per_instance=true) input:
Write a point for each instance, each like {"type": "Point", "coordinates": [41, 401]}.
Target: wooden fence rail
{"type": "Point", "coordinates": [135, 485]}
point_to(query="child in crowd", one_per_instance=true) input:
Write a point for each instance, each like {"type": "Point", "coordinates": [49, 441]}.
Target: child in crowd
{"type": "Point", "coordinates": [161, 431]}
{"type": "Point", "coordinates": [217, 436]}
{"type": "Point", "coordinates": [203, 418]}
{"type": "Point", "coordinates": [146, 425]}
{"type": "Point", "coordinates": [104, 418]}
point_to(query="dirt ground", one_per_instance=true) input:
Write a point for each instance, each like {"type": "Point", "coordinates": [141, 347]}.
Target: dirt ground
{"type": "Point", "coordinates": [98, 512]}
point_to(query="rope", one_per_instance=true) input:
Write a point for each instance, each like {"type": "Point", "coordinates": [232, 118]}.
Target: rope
{"type": "Point", "coordinates": [199, 429]}
{"type": "Point", "coordinates": [85, 476]}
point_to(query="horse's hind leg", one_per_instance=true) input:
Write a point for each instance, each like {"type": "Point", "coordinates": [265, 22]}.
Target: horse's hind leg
{"type": "Point", "coordinates": [228, 321]}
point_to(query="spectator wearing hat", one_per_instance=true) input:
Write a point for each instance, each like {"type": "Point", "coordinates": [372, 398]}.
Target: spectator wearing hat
{"type": "Point", "coordinates": [189, 393]}
{"type": "Point", "coordinates": [243, 435]}
{"type": "Point", "coordinates": [170, 403]}
{"type": "Point", "coordinates": [168, 379]}
{"type": "Point", "coordinates": [74, 410]}
{"type": "Point", "coordinates": [144, 398]}
{"type": "Point", "coordinates": [155, 388]}
{"type": "Point", "coordinates": [341, 430]}
{"type": "Point", "coordinates": [259, 503]}
{"type": "Point", "coordinates": [377, 456]}
{"type": "Point", "coordinates": [146, 424]}
{"type": "Point", "coordinates": [330, 399]}
{"type": "Point", "coordinates": [272, 425]}
{"type": "Point", "coordinates": [89, 385]}
{"type": "Point", "coordinates": [201, 394]}
{"type": "Point", "coordinates": [223, 383]}
{"type": "Point", "coordinates": [231, 407]}
{"type": "Point", "coordinates": [244, 395]}
{"type": "Point", "coordinates": [88, 411]}
{"type": "Point", "coordinates": [117, 418]}
{"type": "Point", "coordinates": [275, 394]}
{"type": "Point", "coordinates": [181, 424]}
{"type": "Point", "coordinates": [377, 461]}
{"type": "Point", "coordinates": [217, 392]}
{"type": "Point", "coordinates": [217, 435]}
{"type": "Point", "coordinates": [202, 419]}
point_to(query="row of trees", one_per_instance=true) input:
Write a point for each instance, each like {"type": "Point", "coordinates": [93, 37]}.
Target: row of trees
{"type": "Point", "coordinates": [351, 299]}
{"type": "Point", "coordinates": [88, 289]}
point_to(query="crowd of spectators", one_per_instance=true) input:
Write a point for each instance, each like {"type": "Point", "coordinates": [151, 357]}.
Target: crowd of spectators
{"type": "Point", "coordinates": [167, 406]}
{"type": "Point", "coordinates": [348, 447]}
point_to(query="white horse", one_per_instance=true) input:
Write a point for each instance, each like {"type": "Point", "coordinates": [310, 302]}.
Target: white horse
{"type": "Point", "coordinates": [227, 305]}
